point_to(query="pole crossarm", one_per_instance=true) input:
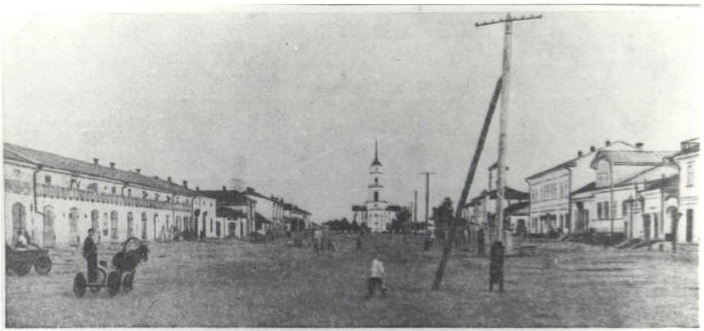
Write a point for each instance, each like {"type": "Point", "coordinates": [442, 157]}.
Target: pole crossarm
{"type": "Point", "coordinates": [510, 19]}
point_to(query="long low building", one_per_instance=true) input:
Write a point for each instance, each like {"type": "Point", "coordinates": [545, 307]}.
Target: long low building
{"type": "Point", "coordinates": [56, 199]}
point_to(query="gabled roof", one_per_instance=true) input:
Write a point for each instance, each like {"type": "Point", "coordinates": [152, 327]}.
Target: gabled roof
{"type": "Point", "coordinates": [55, 161]}
{"type": "Point", "coordinates": [667, 183]}
{"type": "Point", "coordinates": [638, 158]}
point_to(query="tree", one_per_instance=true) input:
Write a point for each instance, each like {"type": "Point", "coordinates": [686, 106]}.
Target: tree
{"type": "Point", "coordinates": [355, 226]}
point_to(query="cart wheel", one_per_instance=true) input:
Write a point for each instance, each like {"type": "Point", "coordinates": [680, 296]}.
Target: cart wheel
{"type": "Point", "coordinates": [42, 265]}
{"type": "Point", "coordinates": [127, 282]}
{"type": "Point", "coordinates": [113, 283]}
{"type": "Point", "coordinates": [79, 285]}
{"type": "Point", "coordinates": [100, 277]}
{"type": "Point", "coordinates": [22, 268]}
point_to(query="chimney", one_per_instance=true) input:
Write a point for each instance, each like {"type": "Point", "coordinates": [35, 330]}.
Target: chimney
{"type": "Point", "coordinates": [112, 165]}
{"type": "Point", "coordinates": [156, 177]}
{"type": "Point", "coordinates": [138, 170]}
{"type": "Point", "coordinates": [224, 188]}
{"type": "Point", "coordinates": [168, 179]}
{"type": "Point", "coordinates": [185, 183]}
{"type": "Point", "coordinates": [639, 146]}
{"type": "Point", "coordinates": [592, 148]}
{"type": "Point", "coordinates": [608, 143]}
{"type": "Point", "coordinates": [250, 190]}
{"type": "Point", "coordinates": [579, 153]}
{"type": "Point", "coordinates": [95, 161]}
{"type": "Point", "coordinates": [197, 189]}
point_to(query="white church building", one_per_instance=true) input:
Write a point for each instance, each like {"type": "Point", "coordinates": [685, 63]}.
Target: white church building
{"type": "Point", "coordinates": [376, 212]}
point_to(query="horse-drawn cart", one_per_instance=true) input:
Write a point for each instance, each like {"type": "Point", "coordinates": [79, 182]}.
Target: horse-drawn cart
{"type": "Point", "coordinates": [21, 260]}
{"type": "Point", "coordinates": [121, 273]}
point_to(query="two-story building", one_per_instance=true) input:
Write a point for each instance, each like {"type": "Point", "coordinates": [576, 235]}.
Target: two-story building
{"type": "Point", "coordinates": [550, 191]}
{"type": "Point", "coordinates": [57, 199]}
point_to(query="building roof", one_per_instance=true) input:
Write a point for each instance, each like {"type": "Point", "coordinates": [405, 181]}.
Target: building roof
{"type": "Point", "coordinates": [585, 188]}
{"type": "Point", "coordinates": [510, 194]}
{"type": "Point", "coordinates": [260, 218]}
{"type": "Point", "coordinates": [292, 207]}
{"type": "Point", "coordinates": [226, 211]}
{"type": "Point", "coordinates": [359, 208]}
{"type": "Point", "coordinates": [55, 161]}
{"type": "Point", "coordinates": [573, 162]}
{"type": "Point", "coordinates": [394, 208]}
{"type": "Point", "coordinates": [667, 183]}
{"type": "Point", "coordinates": [521, 208]}
{"type": "Point", "coordinates": [228, 197]}
{"type": "Point", "coordinates": [642, 158]}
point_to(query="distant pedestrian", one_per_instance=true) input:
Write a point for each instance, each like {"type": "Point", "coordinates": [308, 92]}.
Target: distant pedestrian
{"type": "Point", "coordinates": [359, 243]}
{"type": "Point", "coordinates": [376, 278]}
{"type": "Point", "coordinates": [496, 266]}
{"type": "Point", "coordinates": [331, 246]}
{"type": "Point", "coordinates": [22, 239]}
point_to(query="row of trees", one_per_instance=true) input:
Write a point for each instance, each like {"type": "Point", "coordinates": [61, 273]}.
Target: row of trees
{"type": "Point", "coordinates": [344, 225]}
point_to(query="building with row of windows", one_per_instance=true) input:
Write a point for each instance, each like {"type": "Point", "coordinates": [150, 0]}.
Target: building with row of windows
{"type": "Point", "coordinates": [619, 188]}
{"type": "Point", "coordinates": [57, 199]}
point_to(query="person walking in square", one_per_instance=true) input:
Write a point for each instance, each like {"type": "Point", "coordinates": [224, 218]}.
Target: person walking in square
{"type": "Point", "coordinates": [376, 278]}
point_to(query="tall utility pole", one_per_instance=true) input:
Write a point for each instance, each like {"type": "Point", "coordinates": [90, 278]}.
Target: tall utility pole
{"type": "Point", "coordinates": [415, 206]}
{"type": "Point", "coordinates": [427, 193]}
{"type": "Point", "coordinates": [497, 232]}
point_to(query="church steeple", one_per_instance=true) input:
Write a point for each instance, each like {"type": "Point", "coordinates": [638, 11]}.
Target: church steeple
{"type": "Point", "coordinates": [376, 154]}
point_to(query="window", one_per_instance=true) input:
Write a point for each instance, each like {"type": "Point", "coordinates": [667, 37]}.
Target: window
{"type": "Point", "coordinates": [624, 208]}
{"type": "Point", "coordinates": [598, 209]}
{"type": "Point", "coordinates": [690, 174]}
{"type": "Point", "coordinates": [376, 196]}
{"type": "Point", "coordinates": [114, 190]}
{"type": "Point", "coordinates": [47, 180]}
{"type": "Point", "coordinates": [376, 180]}
{"type": "Point", "coordinates": [113, 224]}
{"type": "Point", "coordinates": [129, 192]}
{"type": "Point", "coordinates": [606, 210]}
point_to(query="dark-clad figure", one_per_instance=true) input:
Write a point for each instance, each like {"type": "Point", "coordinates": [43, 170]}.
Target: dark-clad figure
{"type": "Point", "coordinates": [496, 266]}
{"type": "Point", "coordinates": [90, 253]}
{"type": "Point", "coordinates": [359, 242]}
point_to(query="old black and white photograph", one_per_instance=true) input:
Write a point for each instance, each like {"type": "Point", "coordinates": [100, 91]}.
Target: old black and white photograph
{"type": "Point", "coordinates": [345, 166]}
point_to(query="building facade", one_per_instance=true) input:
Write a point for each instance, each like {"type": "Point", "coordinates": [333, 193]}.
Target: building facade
{"type": "Point", "coordinates": [57, 199]}
{"type": "Point", "coordinates": [550, 191]}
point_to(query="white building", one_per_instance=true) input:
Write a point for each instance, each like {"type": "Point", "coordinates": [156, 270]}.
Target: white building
{"type": "Point", "coordinates": [295, 218]}
{"type": "Point", "coordinates": [376, 212]}
{"type": "Point", "coordinates": [235, 213]}
{"type": "Point", "coordinates": [687, 161]}
{"type": "Point", "coordinates": [270, 212]}
{"type": "Point", "coordinates": [57, 199]}
{"type": "Point", "coordinates": [550, 191]}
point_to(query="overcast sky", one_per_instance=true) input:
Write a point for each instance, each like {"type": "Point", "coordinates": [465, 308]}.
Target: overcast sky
{"type": "Point", "coordinates": [291, 100]}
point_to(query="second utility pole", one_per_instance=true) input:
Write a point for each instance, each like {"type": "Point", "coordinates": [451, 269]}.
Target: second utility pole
{"type": "Point", "coordinates": [427, 193]}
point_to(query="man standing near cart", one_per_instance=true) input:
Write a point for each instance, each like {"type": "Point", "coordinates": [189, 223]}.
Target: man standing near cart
{"type": "Point", "coordinates": [90, 253]}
